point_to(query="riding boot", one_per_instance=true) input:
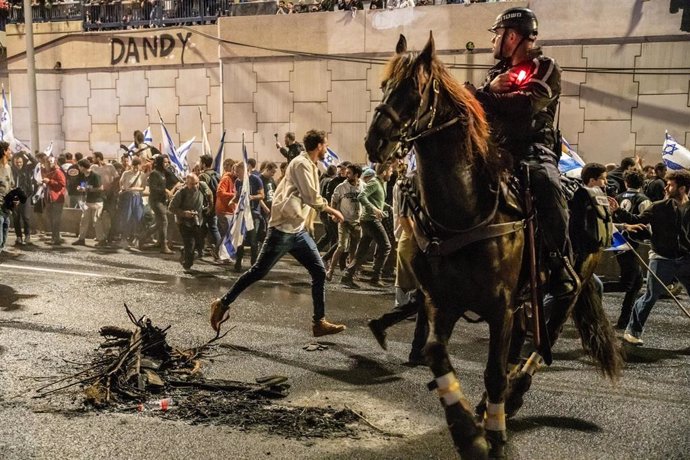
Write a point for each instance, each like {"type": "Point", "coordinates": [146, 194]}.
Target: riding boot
{"type": "Point", "coordinates": [562, 278]}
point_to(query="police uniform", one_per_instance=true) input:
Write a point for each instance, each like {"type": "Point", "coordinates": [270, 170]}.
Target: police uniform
{"type": "Point", "coordinates": [522, 120]}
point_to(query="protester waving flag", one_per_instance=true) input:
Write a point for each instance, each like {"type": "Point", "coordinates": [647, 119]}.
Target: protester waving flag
{"type": "Point", "coordinates": [170, 149]}
{"type": "Point", "coordinates": [570, 162]}
{"type": "Point", "coordinates": [241, 221]}
{"type": "Point", "coordinates": [49, 150]}
{"type": "Point", "coordinates": [218, 161]}
{"type": "Point", "coordinates": [674, 155]}
{"type": "Point", "coordinates": [148, 140]}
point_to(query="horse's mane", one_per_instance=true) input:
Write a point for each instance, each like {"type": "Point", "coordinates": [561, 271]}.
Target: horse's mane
{"type": "Point", "coordinates": [478, 139]}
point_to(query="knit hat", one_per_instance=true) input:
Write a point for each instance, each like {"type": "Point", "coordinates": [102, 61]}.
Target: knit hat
{"type": "Point", "coordinates": [368, 172]}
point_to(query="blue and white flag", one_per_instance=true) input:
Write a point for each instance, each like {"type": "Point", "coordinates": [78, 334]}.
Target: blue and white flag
{"type": "Point", "coordinates": [148, 139]}
{"type": "Point", "coordinates": [5, 119]}
{"type": "Point", "coordinates": [205, 146]}
{"type": "Point", "coordinates": [38, 178]}
{"type": "Point", "coordinates": [330, 158]}
{"type": "Point", "coordinates": [241, 221]}
{"type": "Point", "coordinates": [570, 162]}
{"type": "Point", "coordinates": [182, 153]}
{"type": "Point", "coordinates": [411, 160]}
{"type": "Point", "coordinates": [170, 149]}
{"type": "Point", "coordinates": [49, 150]}
{"type": "Point", "coordinates": [674, 155]}
{"type": "Point", "coordinates": [619, 243]}
{"type": "Point", "coordinates": [218, 160]}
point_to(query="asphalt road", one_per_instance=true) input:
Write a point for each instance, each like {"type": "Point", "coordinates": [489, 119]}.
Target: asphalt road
{"type": "Point", "coordinates": [53, 302]}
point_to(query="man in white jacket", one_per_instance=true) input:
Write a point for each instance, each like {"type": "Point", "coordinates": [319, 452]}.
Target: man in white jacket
{"type": "Point", "coordinates": [294, 203]}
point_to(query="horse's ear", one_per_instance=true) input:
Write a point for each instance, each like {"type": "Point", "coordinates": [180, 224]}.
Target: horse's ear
{"type": "Point", "coordinates": [427, 54]}
{"type": "Point", "coordinates": [401, 47]}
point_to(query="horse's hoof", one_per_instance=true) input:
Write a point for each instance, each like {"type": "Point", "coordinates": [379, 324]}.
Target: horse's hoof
{"type": "Point", "coordinates": [477, 449]}
{"type": "Point", "coordinates": [518, 386]}
{"type": "Point", "coordinates": [497, 444]}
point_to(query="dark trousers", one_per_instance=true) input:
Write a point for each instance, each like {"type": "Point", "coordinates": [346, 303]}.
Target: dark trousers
{"type": "Point", "coordinates": [210, 230]}
{"type": "Point", "coordinates": [552, 209]}
{"type": "Point", "coordinates": [372, 231]}
{"type": "Point", "coordinates": [21, 215]}
{"type": "Point", "coordinates": [54, 214]}
{"type": "Point", "coordinates": [160, 211]}
{"type": "Point", "coordinates": [330, 235]}
{"type": "Point", "coordinates": [630, 283]}
{"type": "Point", "coordinates": [189, 234]}
{"type": "Point", "coordinates": [251, 239]}
{"type": "Point", "coordinates": [401, 312]}
{"type": "Point", "coordinates": [299, 245]}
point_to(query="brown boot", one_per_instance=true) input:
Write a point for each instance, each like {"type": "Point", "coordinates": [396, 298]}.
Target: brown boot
{"type": "Point", "coordinates": [323, 327]}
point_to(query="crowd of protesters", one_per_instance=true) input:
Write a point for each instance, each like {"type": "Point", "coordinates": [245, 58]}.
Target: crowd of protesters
{"type": "Point", "coordinates": [128, 204]}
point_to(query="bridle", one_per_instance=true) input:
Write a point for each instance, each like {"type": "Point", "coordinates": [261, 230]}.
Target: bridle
{"type": "Point", "coordinates": [423, 124]}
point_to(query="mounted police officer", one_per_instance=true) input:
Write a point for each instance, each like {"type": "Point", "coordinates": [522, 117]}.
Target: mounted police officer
{"type": "Point", "coordinates": [520, 97]}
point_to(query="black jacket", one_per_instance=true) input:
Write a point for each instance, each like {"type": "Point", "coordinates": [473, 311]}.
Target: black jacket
{"type": "Point", "coordinates": [615, 182]}
{"type": "Point", "coordinates": [292, 151]}
{"type": "Point", "coordinates": [655, 189]}
{"type": "Point", "coordinates": [670, 222]}
{"type": "Point", "coordinates": [525, 116]}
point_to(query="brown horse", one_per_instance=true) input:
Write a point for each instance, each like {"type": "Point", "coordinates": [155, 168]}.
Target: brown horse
{"type": "Point", "coordinates": [471, 237]}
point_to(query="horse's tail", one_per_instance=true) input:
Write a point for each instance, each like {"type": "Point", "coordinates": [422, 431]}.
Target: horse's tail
{"type": "Point", "coordinates": [596, 333]}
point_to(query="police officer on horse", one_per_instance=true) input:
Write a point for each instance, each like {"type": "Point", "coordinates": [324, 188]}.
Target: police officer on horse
{"type": "Point", "coordinates": [520, 97]}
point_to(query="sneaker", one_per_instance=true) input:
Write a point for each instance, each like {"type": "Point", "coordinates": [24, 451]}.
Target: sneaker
{"type": "Point", "coordinates": [18, 242]}
{"type": "Point", "coordinates": [416, 359]}
{"type": "Point", "coordinates": [323, 327]}
{"type": "Point", "coordinates": [101, 244]}
{"type": "Point", "coordinates": [632, 340]}
{"type": "Point", "coordinates": [79, 243]}
{"type": "Point", "coordinates": [377, 283]}
{"type": "Point", "coordinates": [379, 332]}
{"type": "Point", "coordinates": [166, 250]}
{"type": "Point", "coordinates": [349, 282]}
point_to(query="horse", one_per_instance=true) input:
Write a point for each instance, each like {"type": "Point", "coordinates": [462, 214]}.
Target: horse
{"type": "Point", "coordinates": [471, 235]}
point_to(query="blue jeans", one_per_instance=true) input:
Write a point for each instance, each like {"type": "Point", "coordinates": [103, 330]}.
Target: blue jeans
{"type": "Point", "coordinates": [4, 228]}
{"type": "Point", "coordinates": [303, 248]}
{"type": "Point", "coordinates": [666, 270]}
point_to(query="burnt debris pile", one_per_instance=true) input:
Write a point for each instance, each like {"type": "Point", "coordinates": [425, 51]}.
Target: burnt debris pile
{"type": "Point", "coordinates": [138, 370]}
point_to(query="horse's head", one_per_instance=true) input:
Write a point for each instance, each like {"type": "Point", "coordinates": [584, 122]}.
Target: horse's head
{"type": "Point", "coordinates": [403, 84]}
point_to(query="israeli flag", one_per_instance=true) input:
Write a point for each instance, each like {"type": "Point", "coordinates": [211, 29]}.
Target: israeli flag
{"type": "Point", "coordinates": [170, 149]}
{"type": "Point", "coordinates": [38, 178]}
{"type": "Point", "coordinates": [205, 146]}
{"type": "Point", "coordinates": [182, 153]}
{"type": "Point", "coordinates": [674, 155]}
{"type": "Point", "coordinates": [411, 160]}
{"type": "Point", "coordinates": [148, 139]}
{"type": "Point", "coordinates": [218, 161]}
{"type": "Point", "coordinates": [5, 119]}
{"type": "Point", "coordinates": [570, 162]}
{"type": "Point", "coordinates": [49, 150]}
{"type": "Point", "coordinates": [241, 221]}
{"type": "Point", "coordinates": [619, 243]}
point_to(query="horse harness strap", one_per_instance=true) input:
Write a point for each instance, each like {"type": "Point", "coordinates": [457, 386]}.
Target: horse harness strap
{"type": "Point", "coordinates": [437, 247]}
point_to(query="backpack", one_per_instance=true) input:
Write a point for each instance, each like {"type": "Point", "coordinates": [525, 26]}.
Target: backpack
{"type": "Point", "coordinates": [591, 222]}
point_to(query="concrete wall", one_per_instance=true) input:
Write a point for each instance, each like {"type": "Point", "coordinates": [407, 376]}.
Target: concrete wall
{"type": "Point", "coordinates": [112, 83]}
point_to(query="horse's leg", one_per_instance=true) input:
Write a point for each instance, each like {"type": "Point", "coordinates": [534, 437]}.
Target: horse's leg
{"type": "Point", "coordinates": [468, 436]}
{"type": "Point", "coordinates": [513, 401]}
{"type": "Point", "coordinates": [496, 382]}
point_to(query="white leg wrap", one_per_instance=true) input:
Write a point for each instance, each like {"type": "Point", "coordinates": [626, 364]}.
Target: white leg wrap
{"type": "Point", "coordinates": [449, 389]}
{"type": "Point", "coordinates": [533, 363]}
{"type": "Point", "coordinates": [495, 417]}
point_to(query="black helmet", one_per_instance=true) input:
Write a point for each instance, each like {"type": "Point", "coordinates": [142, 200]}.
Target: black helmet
{"type": "Point", "coordinates": [523, 20]}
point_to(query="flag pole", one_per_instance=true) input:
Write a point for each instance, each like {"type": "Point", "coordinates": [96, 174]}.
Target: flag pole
{"type": "Point", "coordinates": [31, 74]}
{"type": "Point", "coordinates": [668, 291]}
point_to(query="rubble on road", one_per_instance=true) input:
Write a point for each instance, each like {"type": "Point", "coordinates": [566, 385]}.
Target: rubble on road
{"type": "Point", "coordinates": [134, 367]}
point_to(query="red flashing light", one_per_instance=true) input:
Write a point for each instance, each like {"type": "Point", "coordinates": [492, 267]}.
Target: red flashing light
{"type": "Point", "coordinates": [521, 76]}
